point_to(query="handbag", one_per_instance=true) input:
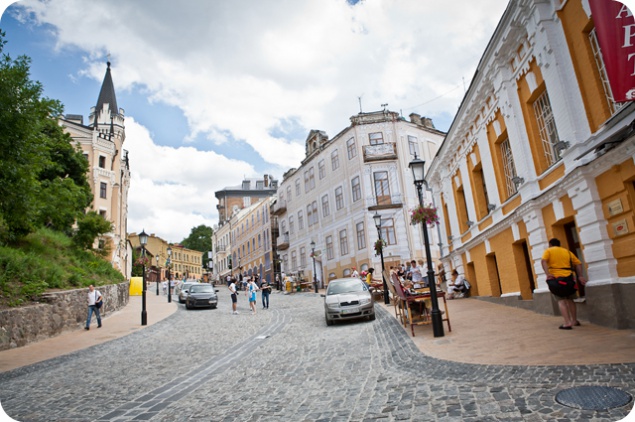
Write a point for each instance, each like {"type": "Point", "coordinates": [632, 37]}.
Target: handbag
{"type": "Point", "coordinates": [100, 303]}
{"type": "Point", "coordinates": [563, 286]}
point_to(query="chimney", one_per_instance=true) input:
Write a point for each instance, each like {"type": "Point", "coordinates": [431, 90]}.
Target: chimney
{"type": "Point", "coordinates": [266, 180]}
{"type": "Point", "coordinates": [427, 122]}
{"type": "Point", "coordinates": [415, 118]}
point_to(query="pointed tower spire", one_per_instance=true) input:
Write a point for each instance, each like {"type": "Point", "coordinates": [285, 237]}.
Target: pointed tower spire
{"type": "Point", "coordinates": [107, 95]}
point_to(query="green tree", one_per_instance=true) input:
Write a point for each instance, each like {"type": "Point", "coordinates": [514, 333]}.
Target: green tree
{"type": "Point", "coordinates": [42, 176]}
{"type": "Point", "coordinates": [89, 227]}
{"type": "Point", "coordinates": [200, 239]}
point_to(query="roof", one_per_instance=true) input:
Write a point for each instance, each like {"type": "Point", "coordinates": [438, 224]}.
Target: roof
{"type": "Point", "coordinates": [107, 95]}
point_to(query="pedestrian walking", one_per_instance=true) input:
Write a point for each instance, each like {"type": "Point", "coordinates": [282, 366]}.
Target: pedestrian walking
{"type": "Point", "coordinates": [252, 288]}
{"type": "Point", "coordinates": [560, 263]}
{"type": "Point", "coordinates": [266, 290]}
{"type": "Point", "coordinates": [164, 286]}
{"type": "Point", "coordinates": [234, 295]}
{"type": "Point", "coordinates": [94, 303]}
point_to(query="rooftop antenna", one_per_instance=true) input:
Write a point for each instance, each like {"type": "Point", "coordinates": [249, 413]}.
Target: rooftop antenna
{"type": "Point", "coordinates": [384, 106]}
{"type": "Point", "coordinates": [360, 104]}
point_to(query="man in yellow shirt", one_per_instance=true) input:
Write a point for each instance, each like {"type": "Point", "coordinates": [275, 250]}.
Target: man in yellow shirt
{"type": "Point", "coordinates": [558, 262]}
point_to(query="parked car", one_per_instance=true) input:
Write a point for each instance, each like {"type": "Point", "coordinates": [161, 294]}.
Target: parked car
{"type": "Point", "coordinates": [348, 298]}
{"type": "Point", "coordinates": [182, 290]}
{"type": "Point", "coordinates": [201, 295]}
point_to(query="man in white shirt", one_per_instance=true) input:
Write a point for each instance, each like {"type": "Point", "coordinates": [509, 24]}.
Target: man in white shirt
{"type": "Point", "coordinates": [417, 276]}
{"type": "Point", "coordinates": [234, 293]}
{"type": "Point", "coordinates": [93, 297]}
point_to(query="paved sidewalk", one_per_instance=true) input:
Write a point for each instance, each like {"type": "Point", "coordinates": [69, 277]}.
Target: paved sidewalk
{"type": "Point", "coordinates": [116, 324]}
{"type": "Point", "coordinates": [482, 332]}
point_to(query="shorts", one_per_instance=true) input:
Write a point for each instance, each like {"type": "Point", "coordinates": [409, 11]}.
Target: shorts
{"type": "Point", "coordinates": [234, 298]}
{"type": "Point", "coordinates": [252, 297]}
{"type": "Point", "coordinates": [570, 297]}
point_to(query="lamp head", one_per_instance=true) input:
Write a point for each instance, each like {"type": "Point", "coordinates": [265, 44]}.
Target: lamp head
{"type": "Point", "coordinates": [143, 238]}
{"type": "Point", "coordinates": [377, 220]}
{"type": "Point", "coordinates": [312, 244]}
{"type": "Point", "coordinates": [417, 166]}
{"type": "Point", "coordinates": [169, 251]}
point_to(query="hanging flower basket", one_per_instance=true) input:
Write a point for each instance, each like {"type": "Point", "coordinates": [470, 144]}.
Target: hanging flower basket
{"type": "Point", "coordinates": [142, 261]}
{"type": "Point", "coordinates": [379, 246]}
{"type": "Point", "coordinates": [427, 214]}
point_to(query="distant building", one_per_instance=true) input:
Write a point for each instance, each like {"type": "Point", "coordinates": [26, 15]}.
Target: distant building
{"type": "Point", "coordinates": [101, 141]}
{"type": "Point", "coordinates": [342, 182]}
{"type": "Point", "coordinates": [540, 149]}
{"type": "Point", "coordinates": [234, 198]}
{"type": "Point", "coordinates": [184, 262]}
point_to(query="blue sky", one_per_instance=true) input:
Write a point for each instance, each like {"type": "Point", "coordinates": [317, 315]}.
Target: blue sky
{"type": "Point", "coordinates": [217, 91]}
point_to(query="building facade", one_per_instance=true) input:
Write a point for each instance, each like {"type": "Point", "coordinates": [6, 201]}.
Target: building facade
{"type": "Point", "coordinates": [342, 182]}
{"type": "Point", "coordinates": [101, 141]}
{"type": "Point", "coordinates": [184, 262]}
{"type": "Point", "coordinates": [537, 150]}
{"type": "Point", "coordinates": [234, 198]}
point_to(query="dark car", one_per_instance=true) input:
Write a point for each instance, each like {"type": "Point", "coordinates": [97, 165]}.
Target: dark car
{"type": "Point", "coordinates": [201, 296]}
{"type": "Point", "coordinates": [348, 298]}
{"type": "Point", "coordinates": [183, 289]}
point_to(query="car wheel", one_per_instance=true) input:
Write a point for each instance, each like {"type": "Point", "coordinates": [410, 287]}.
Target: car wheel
{"type": "Point", "coordinates": [329, 322]}
{"type": "Point", "coordinates": [187, 305]}
{"type": "Point", "coordinates": [214, 306]}
{"type": "Point", "coordinates": [371, 317]}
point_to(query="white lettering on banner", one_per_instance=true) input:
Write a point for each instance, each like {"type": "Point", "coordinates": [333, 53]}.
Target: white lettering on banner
{"type": "Point", "coordinates": [629, 34]}
{"type": "Point", "coordinates": [624, 10]}
{"type": "Point", "coordinates": [630, 56]}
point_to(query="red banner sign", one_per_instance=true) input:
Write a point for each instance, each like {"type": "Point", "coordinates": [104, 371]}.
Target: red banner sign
{"type": "Point", "coordinates": [615, 29]}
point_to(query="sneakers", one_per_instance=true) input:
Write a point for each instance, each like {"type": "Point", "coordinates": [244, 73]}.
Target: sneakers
{"type": "Point", "coordinates": [99, 326]}
{"type": "Point", "coordinates": [235, 313]}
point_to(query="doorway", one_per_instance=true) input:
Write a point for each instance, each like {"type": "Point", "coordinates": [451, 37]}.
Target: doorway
{"type": "Point", "coordinates": [573, 244]}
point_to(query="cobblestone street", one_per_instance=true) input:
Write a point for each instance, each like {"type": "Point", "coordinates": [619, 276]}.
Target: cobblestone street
{"type": "Point", "coordinates": [286, 364]}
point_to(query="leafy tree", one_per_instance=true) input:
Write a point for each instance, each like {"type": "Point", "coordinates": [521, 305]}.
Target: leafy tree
{"type": "Point", "coordinates": [89, 227]}
{"type": "Point", "coordinates": [200, 239]}
{"type": "Point", "coordinates": [42, 176]}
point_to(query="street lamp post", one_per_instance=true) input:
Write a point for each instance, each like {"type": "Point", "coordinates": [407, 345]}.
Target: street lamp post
{"type": "Point", "coordinates": [417, 167]}
{"type": "Point", "coordinates": [377, 219]}
{"type": "Point", "coordinates": [143, 239]}
{"type": "Point", "coordinates": [169, 251]}
{"type": "Point", "coordinates": [158, 274]}
{"type": "Point", "coordinates": [314, 271]}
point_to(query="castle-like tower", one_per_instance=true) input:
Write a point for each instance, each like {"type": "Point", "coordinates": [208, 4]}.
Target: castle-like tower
{"type": "Point", "coordinates": [109, 170]}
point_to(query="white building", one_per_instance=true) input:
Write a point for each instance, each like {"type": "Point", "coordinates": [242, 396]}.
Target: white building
{"type": "Point", "coordinates": [342, 182]}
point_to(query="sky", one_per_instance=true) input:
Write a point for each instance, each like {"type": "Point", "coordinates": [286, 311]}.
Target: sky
{"type": "Point", "coordinates": [216, 91]}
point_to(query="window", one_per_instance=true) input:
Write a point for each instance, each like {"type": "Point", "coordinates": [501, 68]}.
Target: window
{"type": "Point", "coordinates": [376, 138]}
{"type": "Point", "coordinates": [102, 162]}
{"type": "Point", "coordinates": [322, 169]}
{"type": "Point", "coordinates": [413, 147]}
{"type": "Point", "coordinates": [102, 213]}
{"type": "Point", "coordinates": [597, 54]}
{"type": "Point", "coordinates": [294, 261]}
{"type": "Point", "coordinates": [309, 215]}
{"type": "Point", "coordinates": [339, 198]}
{"type": "Point", "coordinates": [289, 193]}
{"type": "Point", "coordinates": [335, 160]}
{"type": "Point", "coordinates": [302, 257]}
{"type": "Point", "coordinates": [311, 178]}
{"type": "Point", "coordinates": [350, 148]}
{"type": "Point", "coordinates": [388, 231]}
{"type": "Point", "coordinates": [329, 247]}
{"type": "Point", "coordinates": [547, 128]}
{"type": "Point", "coordinates": [343, 242]}
{"type": "Point", "coordinates": [382, 188]}
{"type": "Point", "coordinates": [103, 190]}
{"type": "Point", "coordinates": [291, 225]}
{"type": "Point", "coordinates": [247, 201]}
{"type": "Point", "coordinates": [361, 236]}
{"type": "Point", "coordinates": [306, 182]}
{"type": "Point", "coordinates": [325, 206]}
{"type": "Point", "coordinates": [297, 187]}
{"type": "Point", "coordinates": [315, 212]}
{"type": "Point", "coordinates": [300, 220]}
{"type": "Point", "coordinates": [356, 189]}
{"type": "Point", "coordinates": [509, 169]}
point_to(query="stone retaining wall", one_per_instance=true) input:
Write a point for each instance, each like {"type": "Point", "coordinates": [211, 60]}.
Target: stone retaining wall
{"type": "Point", "coordinates": [56, 313]}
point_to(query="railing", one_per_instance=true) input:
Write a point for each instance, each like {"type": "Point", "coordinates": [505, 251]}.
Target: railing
{"type": "Point", "coordinates": [387, 201]}
{"type": "Point", "coordinates": [283, 242]}
{"type": "Point", "coordinates": [280, 207]}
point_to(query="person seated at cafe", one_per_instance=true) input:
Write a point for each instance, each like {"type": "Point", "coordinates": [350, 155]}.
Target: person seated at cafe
{"type": "Point", "coordinates": [456, 287]}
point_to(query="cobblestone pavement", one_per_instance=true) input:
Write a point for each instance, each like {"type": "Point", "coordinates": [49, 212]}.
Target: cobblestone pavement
{"type": "Point", "coordinates": [286, 364]}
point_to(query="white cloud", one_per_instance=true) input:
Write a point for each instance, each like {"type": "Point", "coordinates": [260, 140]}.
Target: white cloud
{"type": "Point", "coordinates": [172, 189]}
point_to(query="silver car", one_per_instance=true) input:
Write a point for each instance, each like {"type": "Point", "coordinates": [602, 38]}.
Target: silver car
{"type": "Point", "coordinates": [183, 289]}
{"type": "Point", "coordinates": [348, 298]}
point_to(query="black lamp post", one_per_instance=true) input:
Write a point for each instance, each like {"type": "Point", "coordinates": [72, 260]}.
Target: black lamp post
{"type": "Point", "coordinates": [169, 251]}
{"type": "Point", "coordinates": [417, 167]}
{"type": "Point", "coordinates": [158, 274]}
{"type": "Point", "coordinates": [314, 271]}
{"type": "Point", "coordinates": [377, 219]}
{"type": "Point", "coordinates": [143, 239]}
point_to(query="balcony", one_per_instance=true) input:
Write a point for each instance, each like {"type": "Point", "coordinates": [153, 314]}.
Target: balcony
{"type": "Point", "coordinates": [280, 207]}
{"type": "Point", "coordinates": [283, 242]}
{"type": "Point", "coordinates": [385, 151]}
{"type": "Point", "coordinates": [384, 202]}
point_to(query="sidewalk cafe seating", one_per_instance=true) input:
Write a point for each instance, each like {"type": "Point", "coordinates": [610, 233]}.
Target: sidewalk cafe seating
{"type": "Point", "coordinates": [394, 298]}
{"type": "Point", "coordinates": [420, 300]}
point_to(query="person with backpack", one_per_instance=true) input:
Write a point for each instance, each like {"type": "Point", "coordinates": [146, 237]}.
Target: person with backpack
{"type": "Point", "coordinates": [560, 264]}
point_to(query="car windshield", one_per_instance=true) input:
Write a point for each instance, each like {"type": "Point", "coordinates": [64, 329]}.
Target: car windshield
{"type": "Point", "coordinates": [206, 288]}
{"type": "Point", "coordinates": [345, 286]}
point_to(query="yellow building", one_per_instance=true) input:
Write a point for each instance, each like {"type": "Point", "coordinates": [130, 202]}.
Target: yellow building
{"type": "Point", "coordinates": [184, 262]}
{"type": "Point", "coordinates": [539, 149]}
